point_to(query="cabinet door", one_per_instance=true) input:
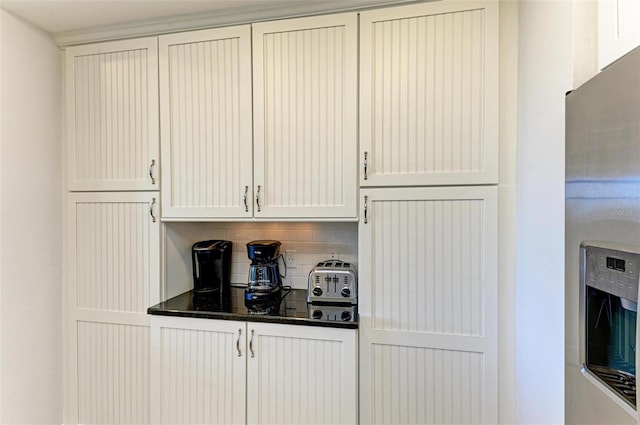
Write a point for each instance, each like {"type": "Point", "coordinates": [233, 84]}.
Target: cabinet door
{"type": "Point", "coordinates": [205, 90]}
{"type": "Point", "coordinates": [112, 116]}
{"type": "Point", "coordinates": [301, 375]}
{"type": "Point", "coordinates": [618, 30]}
{"type": "Point", "coordinates": [112, 277]}
{"type": "Point", "coordinates": [428, 306]}
{"type": "Point", "coordinates": [429, 94]}
{"type": "Point", "coordinates": [199, 371]}
{"type": "Point", "coordinates": [305, 141]}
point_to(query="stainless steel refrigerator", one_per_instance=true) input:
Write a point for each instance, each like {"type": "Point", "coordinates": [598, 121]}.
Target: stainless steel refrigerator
{"type": "Point", "coordinates": [602, 245]}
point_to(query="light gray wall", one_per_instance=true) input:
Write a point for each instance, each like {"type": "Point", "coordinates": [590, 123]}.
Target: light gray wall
{"type": "Point", "coordinates": [30, 226]}
{"type": "Point", "coordinates": [545, 73]}
{"type": "Point", "coordinates": [507, 382]}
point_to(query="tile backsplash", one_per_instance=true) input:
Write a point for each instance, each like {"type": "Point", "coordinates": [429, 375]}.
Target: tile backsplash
{"type": "Point", "coordinates": [312, 242]}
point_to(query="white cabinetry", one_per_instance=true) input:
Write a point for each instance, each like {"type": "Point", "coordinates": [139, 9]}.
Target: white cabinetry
{"type": "Point", "coordinates": [428, 306]}
{"type": "Point", "coordinates": [198, 371]}
{"type": "Point", "coordinates": [301, 375]}
{"type": "Point", "coordinates": [112, 271]}
{"type": "Point", "coordinates": [112, 251]}
{"type": "Point", "coordinates": [429, 94]}
{"type": "Point", "coordinates": [305, 103]}
{"type": "Point", "coordinates": [618, 29]}
{"type": "Point", "coordinates": [428, 255]}
{"type": "Point", "coordinates": [205, 92]}
{"type": "Point", "coordinates": [296, 159]}
{"type": "Point", "coordinates": [208, 371]}
{"type": "Point", "coordinates": [112, 116]}
{"type": "Point", "coordinates": [300, 162]}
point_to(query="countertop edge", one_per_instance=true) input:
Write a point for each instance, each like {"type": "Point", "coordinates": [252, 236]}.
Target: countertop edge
{"type": "Point", "coordinates": [212, 315]}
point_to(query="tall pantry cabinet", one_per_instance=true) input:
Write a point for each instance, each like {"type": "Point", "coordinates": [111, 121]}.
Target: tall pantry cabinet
{"type": "Point", "coordinates": [428, 225]}
{"type": "Point", "coordinates": [112, 244]}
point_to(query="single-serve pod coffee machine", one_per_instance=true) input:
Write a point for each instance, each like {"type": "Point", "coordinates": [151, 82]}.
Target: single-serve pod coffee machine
{"type": "Point", "coordinates": [211, 262]}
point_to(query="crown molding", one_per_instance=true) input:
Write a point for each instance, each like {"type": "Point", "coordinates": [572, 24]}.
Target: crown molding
{"type": "Point", "coordinates": [236, 16]}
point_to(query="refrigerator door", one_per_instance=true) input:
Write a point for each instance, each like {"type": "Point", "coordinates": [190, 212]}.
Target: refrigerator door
{"type": "Point", "coordinates": [602, 201]}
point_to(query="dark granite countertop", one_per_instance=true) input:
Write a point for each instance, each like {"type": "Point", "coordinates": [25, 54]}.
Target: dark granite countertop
{"type": "Point", "coordinates": [289, 308]}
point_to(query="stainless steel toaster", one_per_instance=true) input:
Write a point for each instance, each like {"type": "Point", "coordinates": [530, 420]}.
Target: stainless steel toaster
{"type": "Point", "coordinates": [333, 281]}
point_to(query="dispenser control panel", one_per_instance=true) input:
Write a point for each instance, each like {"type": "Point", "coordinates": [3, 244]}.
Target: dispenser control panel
{"type": "Point", "coordinates": [612, 270]}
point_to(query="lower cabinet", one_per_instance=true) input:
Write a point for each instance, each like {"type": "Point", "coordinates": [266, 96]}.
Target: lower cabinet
{"type": "Point", "coordinates": [112, 275]}
{"type": "Point", "coordinates": [232, 372]}
{"type": "Point", "coordinates": [428, 317]}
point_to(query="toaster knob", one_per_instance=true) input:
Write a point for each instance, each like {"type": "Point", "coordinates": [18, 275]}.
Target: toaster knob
{"type": "Point", "coordinates": [346, 316]}
{"type": "Point", "coordinates": [317, 314]}
{"type": "Point", "coordinates": [317, 291]}
{"type": "Point", "coordinates": [346, 292]}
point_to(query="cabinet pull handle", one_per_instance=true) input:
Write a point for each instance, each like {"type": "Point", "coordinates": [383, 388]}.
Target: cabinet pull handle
{"type": "Point", "coordinates": [246, 192]}
{"type": "Point", "coordinates": [153, 164]}
{"type": "Point", "coordinates": [238, 342]}
{"type": "Point", "coordinates": [251, 341]}
{"type": "Point", "coordinates": [153, 202]}
{"type": "Point", "coordinates": [258, 198]}
{"type": "Point", "coordinates": [365, 164]}
{"type": "Point", "coordinates": [365, 209]}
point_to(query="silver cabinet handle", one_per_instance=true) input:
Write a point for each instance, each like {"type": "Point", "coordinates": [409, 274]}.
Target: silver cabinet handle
{"type": "Point", "coordinates": [246, 192]}
{"type": "Point", "coordinates": [365, 164]}
{"type": "Point", "coordinates": [153, 164]}
{"type": "Point", "coordinates": [251, 343]}
{"type": "Point", "coordinates": [258, 198]}
{"type": "Point", "coordinates": [153, 202]}
{"type": "Point", "coordinates": [238, 342]}
{"type": "Point", "coordinates": [365, 209]}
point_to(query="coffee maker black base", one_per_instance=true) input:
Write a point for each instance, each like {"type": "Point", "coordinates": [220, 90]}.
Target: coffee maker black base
{"type": "Point", "coordinates": [250, 295]}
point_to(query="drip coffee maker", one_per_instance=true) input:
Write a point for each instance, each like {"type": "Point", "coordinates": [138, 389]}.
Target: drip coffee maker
{"type": "Point", "coordinates": [265, 280]}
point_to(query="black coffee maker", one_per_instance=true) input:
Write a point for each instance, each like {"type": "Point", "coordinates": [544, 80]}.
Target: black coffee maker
{"type": "Point", "coordinates": [265, 280]}
{"type": "Point", "coordinates": [211, 262]}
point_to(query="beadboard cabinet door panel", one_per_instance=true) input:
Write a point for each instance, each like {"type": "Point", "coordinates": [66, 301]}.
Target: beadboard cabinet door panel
{"type": "Point", "coordinates": [114, 251]}
{"type": "Point", "coordinates": [113, 373]}
{"type": "Point", "coordinates": [428, 305]}
{"type": "Point", "coordinates": [112, 116]}
{"type": "Point", "coordinates": [199, 371]}
{"type": "Point", "coordinates": [205, 92]}
{"type": "Point", "coordinates": [429, 94]}
{"type": "Point", "coordinates": [233, 372]}
{"type": "Point", "coordinates": [301, 375]}
{"type": "Point", "coordinates": [305, 103]}
{"type": "Point", "coordinates": [112, 275]}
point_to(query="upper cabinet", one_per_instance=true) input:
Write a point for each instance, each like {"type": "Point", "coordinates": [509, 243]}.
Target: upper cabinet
{"type": "Point", "coordinates": [305, 103]}
{"type": "Point", "coordinates": [618, 29]}
{"type": "Point", "coordinates": [289, 154]}
{"type": "Point", "coordinates": [429, 94]}
{"type": "Point", "coordinates": [112, 116]}
{"type": "Point", "coordinates": [205, 92]}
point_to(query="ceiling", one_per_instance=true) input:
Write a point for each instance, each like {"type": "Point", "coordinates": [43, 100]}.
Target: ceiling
{"type": "Point", "coordinates": [63, 18]}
